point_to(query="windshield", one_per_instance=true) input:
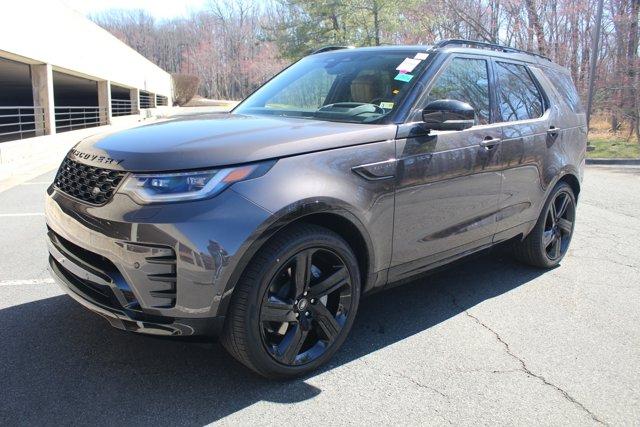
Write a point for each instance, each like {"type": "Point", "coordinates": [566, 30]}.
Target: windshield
{"type": "Point", "coordinates": [345, 86]}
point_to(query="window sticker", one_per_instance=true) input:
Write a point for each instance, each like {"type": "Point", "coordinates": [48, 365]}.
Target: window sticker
{"type": "Point", "coordinates": [408, 65]}
{"type": "Point", "coordinates": [386, 105]}
{"type": "Point", "coordinates": [421, 56]}
{"type": "Point", "coordinates": [404, 77]}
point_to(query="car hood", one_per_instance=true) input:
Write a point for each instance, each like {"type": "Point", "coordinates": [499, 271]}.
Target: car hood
{"type": "Point", "coordinates": [212, 140]}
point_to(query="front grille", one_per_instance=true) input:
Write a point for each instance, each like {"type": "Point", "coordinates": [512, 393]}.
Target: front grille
{"type": "Point", "coordinates": [87, 183]}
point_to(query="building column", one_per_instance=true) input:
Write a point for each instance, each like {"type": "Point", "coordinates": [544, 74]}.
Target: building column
{"type": "Point", "coordinates": [135, 101]}
{"type": "Point", "coordinates": [104, 101]}
{"type": "Point", "coordinates": [153, 100]}
{"type": "Point", "coordinates": [42, 87]}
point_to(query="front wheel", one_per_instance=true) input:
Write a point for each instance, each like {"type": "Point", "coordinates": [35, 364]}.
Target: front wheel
{"type": "Point", "coordinates": [295, 304]}
{"type": "Point", "coordinates": [549, 240]}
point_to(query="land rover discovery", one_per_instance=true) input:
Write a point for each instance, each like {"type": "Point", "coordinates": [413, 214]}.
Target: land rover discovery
{"type": "Point", "coordinates": [351, 170]}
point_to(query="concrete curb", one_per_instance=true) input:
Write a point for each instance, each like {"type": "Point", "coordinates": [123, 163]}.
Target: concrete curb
{"type": "Point", "coordinates": [633, 162]}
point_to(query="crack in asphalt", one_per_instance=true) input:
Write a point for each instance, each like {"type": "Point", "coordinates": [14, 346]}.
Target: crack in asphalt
{"type": "Point", "coordinates": [419, 384]}
{"type": "Point", "coordinates": [611, 261]}
{"type": "Point", "coordinates": [523, 365]}
{"type": "Point", "coordinates": [489, 371]}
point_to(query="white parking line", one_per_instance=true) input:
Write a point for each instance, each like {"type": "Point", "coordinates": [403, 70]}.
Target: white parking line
{"type": "Point", "coordinates": [46, 281]}
{"type": "Point", "coordinates": [22, 214]}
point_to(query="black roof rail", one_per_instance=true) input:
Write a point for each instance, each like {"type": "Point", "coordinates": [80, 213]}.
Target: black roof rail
{"type": "Point", "coordinates": [330, 48]}
{"type": "Point", "coordinates": [485, 45]}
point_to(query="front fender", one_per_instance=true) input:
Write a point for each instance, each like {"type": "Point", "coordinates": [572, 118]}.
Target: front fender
{"type": "Point", "coordinates": [325, 183]}
{"type": "Point", "coordinates": [283, 218]}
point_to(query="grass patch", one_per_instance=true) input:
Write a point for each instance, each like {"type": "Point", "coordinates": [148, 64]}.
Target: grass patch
{"type": "Point", "coordinates": [611, 146]}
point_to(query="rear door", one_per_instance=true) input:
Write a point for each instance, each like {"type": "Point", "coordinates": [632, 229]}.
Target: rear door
{"type": "Point", "coordinates": [529, 128]}
{"type": "Point", "coordinates": [448, 181]}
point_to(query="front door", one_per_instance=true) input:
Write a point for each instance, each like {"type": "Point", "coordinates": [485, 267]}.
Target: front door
{"type": "Point", "coordinates": [448, 181]}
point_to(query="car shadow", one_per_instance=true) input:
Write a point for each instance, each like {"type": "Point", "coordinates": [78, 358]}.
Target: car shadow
{"type": "Point", "coordinates": [64, 365]}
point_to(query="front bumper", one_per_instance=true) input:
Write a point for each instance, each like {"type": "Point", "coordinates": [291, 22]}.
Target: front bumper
{"type": "Point", "coordinates": [129, 320]}
{"type": "Point", "coordinates": [156, 270]}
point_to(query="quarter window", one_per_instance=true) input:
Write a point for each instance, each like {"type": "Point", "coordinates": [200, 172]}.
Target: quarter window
{"type": "Point", "coordinates": [566, 88]}
{"type": "Point", "coordinates": [465, 80]}
{"type": "Point", "coordinates": [518, 95]}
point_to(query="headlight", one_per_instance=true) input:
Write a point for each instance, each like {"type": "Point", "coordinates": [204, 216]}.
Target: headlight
{"type": "Point", "coordinates": [183, 186]}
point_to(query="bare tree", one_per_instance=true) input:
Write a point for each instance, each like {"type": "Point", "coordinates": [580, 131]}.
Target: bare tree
{"type": "Point", "coordinates": [235, 45]}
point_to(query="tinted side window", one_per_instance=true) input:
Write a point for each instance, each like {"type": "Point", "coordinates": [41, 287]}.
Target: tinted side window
{"type": "Point", "coordinates": [518, 95]}
{"type": "Point", "coordinates": [566, 89]}
{"type": "Point", "coordinates": [465, 80]}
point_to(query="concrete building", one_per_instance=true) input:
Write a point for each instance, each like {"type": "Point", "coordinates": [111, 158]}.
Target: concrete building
{"type": "Point", "coordinates": [61, 72]}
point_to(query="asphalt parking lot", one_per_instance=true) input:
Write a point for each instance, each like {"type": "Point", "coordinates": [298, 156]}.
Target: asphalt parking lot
{"type": "Point", "coordinates": [486, 342]}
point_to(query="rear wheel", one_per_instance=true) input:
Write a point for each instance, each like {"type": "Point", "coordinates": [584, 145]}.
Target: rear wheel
{"type": "Point", "coordinates": [549, 240]}
{"type": "Point", "coordinates": [295, 304]}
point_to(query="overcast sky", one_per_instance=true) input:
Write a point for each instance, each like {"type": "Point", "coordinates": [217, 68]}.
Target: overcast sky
{"type": "Point", "coordinates": [160, 9]}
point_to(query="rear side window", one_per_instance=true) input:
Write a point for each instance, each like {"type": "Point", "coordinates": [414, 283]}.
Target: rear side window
{"type": "Point", "coordinates": [465, 80]}
{"type": "Point", "coordinates": [566, 89]}
{"type": "Point", "coordinates": [518, 96]}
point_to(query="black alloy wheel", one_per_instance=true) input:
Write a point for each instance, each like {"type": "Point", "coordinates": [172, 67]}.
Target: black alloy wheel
{"type": "Point", "coordinates": [558, 227]}
{"type": "Point", "coordinates": [548, 242]}
{"type": "Point", "coordinates": [295, 303]}
{"type": "Point", "coordinates": [305, 306]}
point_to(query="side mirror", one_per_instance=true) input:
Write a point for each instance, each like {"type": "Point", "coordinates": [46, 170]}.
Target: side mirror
{"type": "Point", "coordinates": [448, 114]}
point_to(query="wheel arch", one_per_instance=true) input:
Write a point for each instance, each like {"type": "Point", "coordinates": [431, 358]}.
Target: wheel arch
{"type": "Point", "coordinates": [349, 231]}
{"type": "Point", "coordinates": [573, 182]}
{"type": "Point", "coordinates": [332, 214]}
{"type": "Point", "coordinates": [568, 175]}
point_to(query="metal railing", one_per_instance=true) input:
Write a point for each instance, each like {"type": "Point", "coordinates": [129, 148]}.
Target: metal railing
{"type": "Point", "coordinates": [122, 107]}
{"type": "Point", "coordinates": [21, 122]}
{"type": "Point", "coordinates": [145, 100]}
{"type": "Point", "coordinates": [161, 101]}
{"type": "Point", "coordinates": [70, 118]}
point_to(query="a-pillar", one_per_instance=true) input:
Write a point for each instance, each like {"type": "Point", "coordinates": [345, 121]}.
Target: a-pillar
{"type": "Point", "coordinates": [104, 101]}
{"type": "Point", "coordinates": [42, 87]}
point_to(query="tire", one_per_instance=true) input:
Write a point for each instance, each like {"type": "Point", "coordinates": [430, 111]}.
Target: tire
{"type": "Point", "coordinates": [548, 242]}
{"type": "Point", "coordinates": [284, 320]}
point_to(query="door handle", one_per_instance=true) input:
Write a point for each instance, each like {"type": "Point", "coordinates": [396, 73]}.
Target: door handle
{"type": "Point", "coordinates": [552, 135]}
{"type": "Point", "coordinates": [489, 143]}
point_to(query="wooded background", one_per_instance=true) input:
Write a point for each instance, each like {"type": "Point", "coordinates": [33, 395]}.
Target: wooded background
{"type": "Point", "coordinates": [233, 46]}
